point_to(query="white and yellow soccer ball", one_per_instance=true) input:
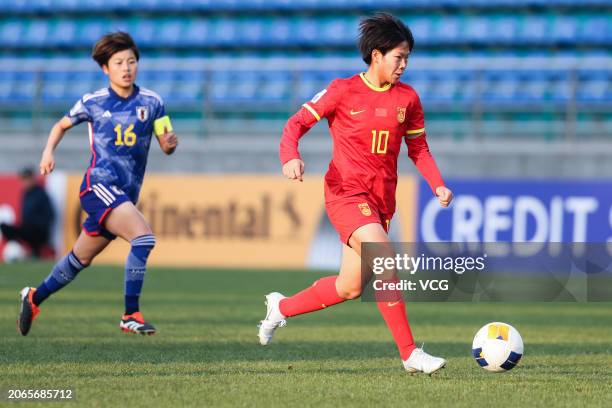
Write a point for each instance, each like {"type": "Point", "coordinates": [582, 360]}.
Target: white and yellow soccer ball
{"type": "Point", "coordinates": [497, 347]}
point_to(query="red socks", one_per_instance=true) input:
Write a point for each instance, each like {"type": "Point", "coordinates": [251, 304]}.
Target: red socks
{"type": "Point", "coordinates": [395, 316]}
{"type": "Point", "coordinates": [323, 294]}
{"type": "Point", "coordinates": [320, 295]}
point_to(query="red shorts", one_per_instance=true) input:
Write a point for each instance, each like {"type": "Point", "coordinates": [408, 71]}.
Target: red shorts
{"type": "Point", "coordinates": [349, 213]}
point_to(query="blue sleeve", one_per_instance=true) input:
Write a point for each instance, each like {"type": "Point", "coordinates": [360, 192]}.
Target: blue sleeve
{"type": "Point", "coordinates": [79, 113]}
{"type": "Point", "coordinates": [160, 111]}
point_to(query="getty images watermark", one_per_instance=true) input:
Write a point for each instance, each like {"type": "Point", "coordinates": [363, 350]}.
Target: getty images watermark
{"type": "Point", "coordinates": [487, 272]}
{"type": "Point", "coordinates": [384, 267]}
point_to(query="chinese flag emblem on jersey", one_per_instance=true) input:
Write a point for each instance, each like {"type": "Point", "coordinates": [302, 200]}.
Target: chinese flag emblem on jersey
{"type": "Point", "coordinates": [401, 114]}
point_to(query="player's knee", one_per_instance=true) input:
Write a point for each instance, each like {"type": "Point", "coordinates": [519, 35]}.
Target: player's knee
{"type": "Point", "coordinates": [349, 292]}
{"type": "Point", "coordinates": [143, 244]}
{"type": "Point", "coordinates": [85, 261]}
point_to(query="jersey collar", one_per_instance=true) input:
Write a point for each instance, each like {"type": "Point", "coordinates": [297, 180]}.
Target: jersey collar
{"type": "Point", "coordinates": [132, 95]}
{"type": "Point", "coordinates": [372, 86]}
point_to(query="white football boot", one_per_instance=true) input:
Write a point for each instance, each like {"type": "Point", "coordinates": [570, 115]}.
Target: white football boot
{"type": "Point", "coordinates": [274, 318]}
{"type": "Point", "coordinates": [420, 361]}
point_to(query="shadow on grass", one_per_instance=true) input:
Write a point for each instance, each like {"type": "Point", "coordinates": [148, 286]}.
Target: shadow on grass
{"type": "Point", "coordinates": [66, 351]}
{"type": "Point", "coordinates": [194, 350]}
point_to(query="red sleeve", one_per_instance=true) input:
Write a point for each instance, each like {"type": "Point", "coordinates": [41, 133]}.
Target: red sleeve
{"type": "Point", "coordinates": [322, 105]}
{"type": "Point", "coordinates": [418, 149]}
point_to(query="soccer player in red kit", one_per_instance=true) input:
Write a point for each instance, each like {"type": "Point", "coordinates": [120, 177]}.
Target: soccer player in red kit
{"type": "Point", "coordinates": [369, 115]}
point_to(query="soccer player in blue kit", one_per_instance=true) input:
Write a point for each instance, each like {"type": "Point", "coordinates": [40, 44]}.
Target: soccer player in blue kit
{"type": "Point", "coordinates": [121, 122]}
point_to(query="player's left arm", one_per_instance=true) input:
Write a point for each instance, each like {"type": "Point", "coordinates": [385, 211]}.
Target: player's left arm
{"type": "Point", "coordinates": [419, 153]}
{"type": "Point", "coordinates": [167, 139]}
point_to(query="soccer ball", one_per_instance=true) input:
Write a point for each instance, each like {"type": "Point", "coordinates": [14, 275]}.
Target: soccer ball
{"type": "Point", "coordinates": [497, 347]}
{"type": "Point", "coordinates": [13, 252]}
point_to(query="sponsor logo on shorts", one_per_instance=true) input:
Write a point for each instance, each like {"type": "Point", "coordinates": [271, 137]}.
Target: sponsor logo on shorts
{"type": "Point", "coordinates": [365, 209]}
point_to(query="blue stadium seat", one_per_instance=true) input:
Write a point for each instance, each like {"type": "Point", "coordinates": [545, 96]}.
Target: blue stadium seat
{"type": "Point", "coordinates": [336, 31]}
{"type": "Point", "coordinates": [233, 88]}
{"type": "Point", "coordinates": [476, 30]}
{"type": "Point", "coordinates": [533, 86]}
{"type": "Point", "coordinates": [36, 33]}
{"type": "Point", "coordinates": [225, 32]}
{"type": "Point", "coordinates": [419, 80]}
{"type": "Point", "coordinates": [90, 31]}
{"type": "Point", "coordinates": [23, 88]}
{"type": "Point", "coordinates": [56, 86]}
{"type": "Point", "coordinates": [533, 30]}
{"type": "Point", "coordinates": [187, 87]}
{"type": "Point", "coordinates": [500, 87]}
{"type": "Point", "coordinates": [191, 33]}
{"type": "Point", "coordinates": [307, 32]}
{"type": "Point", "coordinates": [597, 30]}
{"type": "Point", "coordinates": [309, 84]}
{"type": "Point", "coordinates": [594, 86]}
{"type": "Point", "coordinates": [448, 30]}
{"type": "Point", "coordinates": [6, 85]}
{"type": "Point", "coordinates": [444, 86]}
{"type": "Point", "coordinates": [504, 30]}
{"type": "Point", "coordinates": [564, 29]}
{"type": "Point", "coordinates": [252, 31]}
{"type": "Point", "coordinates": [11, 32]}
{"type": "Point", "coordinates": [274, 87]}
{"type": "Point", "coordinates": [145, 32]}
{"type": "Point", "coordinates": [422, 29]}
{"type": "Point", "coordinates": [560, 87]}
{"type": "Point", "coordinates": [173, 32]}
{"type": "Point", "coordinates": [281, 32]}
{"type": "Point", "coordinates": [158, 80]}
{"type": "Point", "coordinates": [64, 33]}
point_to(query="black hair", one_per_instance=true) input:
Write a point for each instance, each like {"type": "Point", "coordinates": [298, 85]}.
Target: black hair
{"type": "Point", "coordinates": [112, 43]}
{"type": "Point", "coordinates": [382, 32]}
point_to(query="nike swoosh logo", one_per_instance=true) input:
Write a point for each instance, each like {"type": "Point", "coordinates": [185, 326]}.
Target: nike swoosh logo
{"type": "Point", "coordinates": [390, 304]}
{"type": "Point", "coordinates": [356, 112]}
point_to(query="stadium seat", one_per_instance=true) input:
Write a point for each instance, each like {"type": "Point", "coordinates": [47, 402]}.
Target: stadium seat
{"type": "Point", "coordinates": [594, 86]}
{"type": "Point", "coordinates": [63, 32]}
{"type": "Point", "coordinates": [23, 89]}
{"type": "Point", "coordinates": [90, 31]}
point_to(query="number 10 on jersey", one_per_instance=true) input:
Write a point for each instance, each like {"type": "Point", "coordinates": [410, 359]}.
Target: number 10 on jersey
{"type": "Point", "coordinates": [127, 138]}
{"type": "Point", "coordinates": [380, 140]}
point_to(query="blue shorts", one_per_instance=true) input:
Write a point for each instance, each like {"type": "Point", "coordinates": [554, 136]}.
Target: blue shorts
{"type": "Point", "coordinates": [98, 202]}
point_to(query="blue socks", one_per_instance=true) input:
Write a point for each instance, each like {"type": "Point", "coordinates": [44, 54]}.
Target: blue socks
{"type": "Point", "coordinates": [135, 268]}
{"type": "Point", "coordinates": [68, 268]}
{"type": "Point", "coordinates": [62, 274]}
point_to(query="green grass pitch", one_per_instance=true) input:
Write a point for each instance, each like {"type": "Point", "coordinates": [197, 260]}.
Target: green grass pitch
{"type": "Point", "coordinates": [206, 351]}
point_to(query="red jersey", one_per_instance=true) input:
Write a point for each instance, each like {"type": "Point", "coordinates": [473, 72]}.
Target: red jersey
{"type": "Point", "coordinates": [367, 124]}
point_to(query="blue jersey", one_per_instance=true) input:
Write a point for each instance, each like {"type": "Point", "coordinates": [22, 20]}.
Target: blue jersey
{"type": "Point", "coordinates": [120, 132]}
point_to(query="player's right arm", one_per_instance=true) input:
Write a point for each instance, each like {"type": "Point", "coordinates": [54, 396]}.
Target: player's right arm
{"type": "Point", "coordinates": [47, 161]}
{"type": "Point", "coordinates": [79, 113]}
{"type": "Point", "coordinates": [322, 105]}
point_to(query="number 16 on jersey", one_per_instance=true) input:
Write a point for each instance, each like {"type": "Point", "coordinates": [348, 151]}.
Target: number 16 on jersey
{"type": "Point", "coordinates": [127, 138]}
